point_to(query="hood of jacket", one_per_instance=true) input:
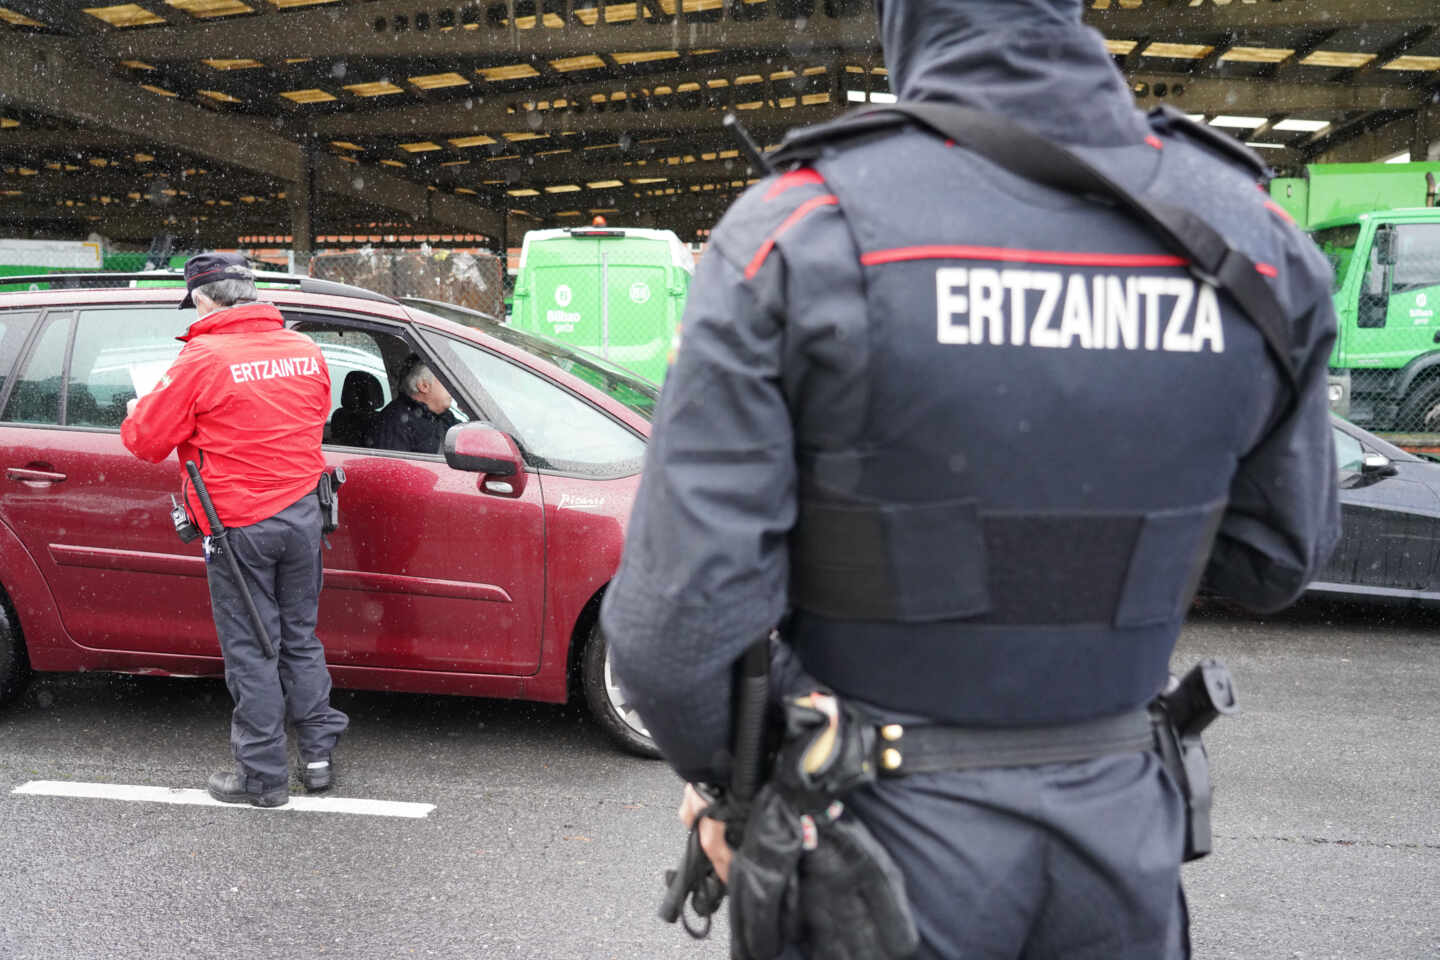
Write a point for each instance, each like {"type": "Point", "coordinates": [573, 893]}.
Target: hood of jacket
{"type": "Point", "coordinates": [1032, 60]}
{"type": "Point", "coordinates": [245, 318]}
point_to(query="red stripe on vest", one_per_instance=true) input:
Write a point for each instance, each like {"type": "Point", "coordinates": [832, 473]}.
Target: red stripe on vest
{"type": "Point", "coordinates": [1279, 211]}
{"type": "Point", "coordinates": [1063, 257]}
{"type": "Point", "coordinates": [794, 178]}
{"type": "Point", "coordinates": [758, 261]}
{"type": "Point", "coordinates": [1267, 269]}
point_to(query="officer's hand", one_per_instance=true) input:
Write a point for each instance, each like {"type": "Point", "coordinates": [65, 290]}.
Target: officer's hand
{"type": "Point", "coordinates": [712, 832]}
{"type": "Point", "coordinates": [130, 406]}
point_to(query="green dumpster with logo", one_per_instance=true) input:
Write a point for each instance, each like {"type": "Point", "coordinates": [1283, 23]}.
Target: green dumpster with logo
{"type": "Point", "coordinates": [615, 291]}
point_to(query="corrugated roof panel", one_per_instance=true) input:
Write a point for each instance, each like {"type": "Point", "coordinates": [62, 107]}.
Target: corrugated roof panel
{"type": "Point", "coordinates": [205, 9]}
{"type": "Point", "coordinates": [1335, 58]}
{"type": "Point", "coordinates": [125, 15]}
{"type": "Point", "coordinates": [18, 19]}
{"type": "Point", "coordinates": [436, 81]}
{"type": "Point", "coordinates": [587, 62]}
{"type": "Point", "coordinates": [312, 95]}
{"type": "Point", "coordinates": [1177, 51]}
{"type": "Point", "coordinates": [219, 95]}
{"type": "Point", "coordinates": [1413, 63]}
{"type": "Point", "coordinates": [240, 63]}
{"type": "Point", "coordinates": [644, 56]}
{"type": "Point", "coordinates": [514, 71]}
{"type": "Point", "coordinates": [1256, 54]}
{"type": "Point", "coordinates": [376, 88]}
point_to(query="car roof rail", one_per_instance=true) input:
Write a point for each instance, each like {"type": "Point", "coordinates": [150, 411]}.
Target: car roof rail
{"type": "Point", "coordinates": [115, 278]}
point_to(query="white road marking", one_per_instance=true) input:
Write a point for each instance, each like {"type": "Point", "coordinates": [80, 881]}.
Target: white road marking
{"type": "Point", "coordinates": [200, 798]}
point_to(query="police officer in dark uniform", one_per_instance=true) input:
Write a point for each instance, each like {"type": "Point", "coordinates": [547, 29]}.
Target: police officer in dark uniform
{"type": "Point", "coordinates": [975, 440]}
{"type": "Point", "coordinates": [247, 401]}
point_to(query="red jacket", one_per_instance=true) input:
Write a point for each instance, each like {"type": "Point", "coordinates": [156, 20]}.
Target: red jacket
{"type": "Point", "coordinates": [247, 400]}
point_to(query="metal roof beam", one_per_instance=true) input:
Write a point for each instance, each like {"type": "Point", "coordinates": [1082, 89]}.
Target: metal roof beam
{"type": "Point", "coordinates": [1184, 22]}
{"type": "Point", "coordinates": [1210, 95]}
{"type": "Point", "coordinates": [373, 30]}
{"type": "Point", "coordinates": [351, 31]}
{"type": "Point", "coordinates": [496, 119]}
{"type": "Point", "coordinates": [53, 78]}
{"type": "Point", "coordinates": [1417, 133]}
{"type": "Point", "coordinates": [234, 141]}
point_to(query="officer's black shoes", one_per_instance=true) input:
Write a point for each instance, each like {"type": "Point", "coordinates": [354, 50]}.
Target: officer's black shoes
{"type": "Point", "coordinates": [230, 788]}
{"type": "Point", "coordinates": [318, 775]}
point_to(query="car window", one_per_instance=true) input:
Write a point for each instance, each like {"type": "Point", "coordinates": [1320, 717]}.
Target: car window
{"type": "Point", "coordinates": [365, 366]}
{"type": "Point", "coordinates": [14, 325]}
{"type": "Point", "coordinates": [1417, 256]}
{"type": "Point", "coordinates": [1349, 454]}
{"type": "Point", "coordinates": [36, 397]}
{"type": "Point", "coordinates": [119, 354]}
{"type": "Point", "coordinates": [350, 351]}
{"type": "Point", "coordinates": [556, 429]}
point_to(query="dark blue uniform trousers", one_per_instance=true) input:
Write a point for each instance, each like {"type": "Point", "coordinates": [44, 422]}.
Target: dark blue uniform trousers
{"type": "Point", "coordinates": [280, 561]}
{"type": "Point", "coordinates": [1078, 861]}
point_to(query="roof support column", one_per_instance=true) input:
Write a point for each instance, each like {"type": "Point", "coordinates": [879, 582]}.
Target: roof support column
{"type": "Point", "coordinates": [300, 194]}
{"type": "Point", "coordinates": [1425, 145]}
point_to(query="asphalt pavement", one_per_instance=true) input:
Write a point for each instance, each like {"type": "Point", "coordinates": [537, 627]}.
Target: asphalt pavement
{"type": "Point", "coordinates": [545, 843]}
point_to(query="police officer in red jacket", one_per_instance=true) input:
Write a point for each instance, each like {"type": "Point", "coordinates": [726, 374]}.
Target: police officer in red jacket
{"type": "Point", "coordinates": [247, 400]}
{"type": "Point", "coordinates": [978, 437]}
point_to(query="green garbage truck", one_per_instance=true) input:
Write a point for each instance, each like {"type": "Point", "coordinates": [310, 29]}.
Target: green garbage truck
{"type": "Point", "coordinates": [1379, 225]}
{"type": "Point", "coordinates": [618, 292]}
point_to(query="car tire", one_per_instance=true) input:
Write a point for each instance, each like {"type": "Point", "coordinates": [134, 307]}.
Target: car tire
{"type": "Point", "coordinates": [14, 665]}
{"type": "Point", "coordinates": [607, 703]}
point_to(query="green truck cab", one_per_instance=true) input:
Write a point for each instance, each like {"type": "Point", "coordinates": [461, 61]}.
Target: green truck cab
{"type": "Point", "coordinates": [1379, 226]}
{"type": "Point", "coordinates": [618, 292]}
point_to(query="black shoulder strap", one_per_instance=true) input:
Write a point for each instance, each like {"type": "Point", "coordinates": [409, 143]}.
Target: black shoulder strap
{"type": "Point", "coordinates": [1212, 259]}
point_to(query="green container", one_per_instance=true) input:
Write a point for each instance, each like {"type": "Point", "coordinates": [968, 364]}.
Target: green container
{"type": "Point", "coordinates": [1335, 191]}
{"type": "Point", "coordinates": [618, 292]}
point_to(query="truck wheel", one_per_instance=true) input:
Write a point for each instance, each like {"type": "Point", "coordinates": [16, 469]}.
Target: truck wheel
{"type": "Point", "coordinates": [1421, 409]}
{"type": "Point", "coordinates": [607, 702]}
{"type": "Point", "coordinates": [14, 665]}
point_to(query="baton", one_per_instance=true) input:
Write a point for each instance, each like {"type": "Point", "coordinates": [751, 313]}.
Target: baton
{"type": "Point", "coordinates": [218, 544]}
{"type": "Point", "coordinates": [752, 703]}
{"type": "Point", "coordinates": [748, 146]}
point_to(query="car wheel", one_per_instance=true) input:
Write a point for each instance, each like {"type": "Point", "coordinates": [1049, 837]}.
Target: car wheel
{"type": "Point", "coordinates": [14, 666]}
{"type": "Point", "coordinates": [1421, 410]}
{"type": "Point", "coordinates": [608, 703]}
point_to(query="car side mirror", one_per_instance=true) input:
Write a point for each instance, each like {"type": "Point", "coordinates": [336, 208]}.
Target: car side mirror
{"type": "Point", "coordinates": [1377, 465]}
{"type": "Point", "coordinates": [480, 448]}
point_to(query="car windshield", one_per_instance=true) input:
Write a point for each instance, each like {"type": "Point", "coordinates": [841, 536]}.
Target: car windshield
{"type": "Point", "coordinates": [634, 392]}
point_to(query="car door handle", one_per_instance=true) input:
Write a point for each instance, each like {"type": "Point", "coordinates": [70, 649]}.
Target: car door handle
{"type": "Point", "coordinates": [25, 475]}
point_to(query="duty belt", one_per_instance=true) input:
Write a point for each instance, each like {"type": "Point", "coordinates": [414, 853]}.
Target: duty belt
{"type": "Point", "coordinates": [902, 749]}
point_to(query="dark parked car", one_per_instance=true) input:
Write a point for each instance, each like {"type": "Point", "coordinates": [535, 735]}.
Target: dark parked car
{"type": "Point", "coordinates": [441, 579]}
{"type": "Point", "coordinates": [1390, 512]}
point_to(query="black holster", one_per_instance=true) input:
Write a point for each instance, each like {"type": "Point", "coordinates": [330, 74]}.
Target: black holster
{"type": "Point", "coordinates": [327, 490]}
{"type": "Point", "coordinates": [1180, 715]}
{"type": "Point", "coordinates": [807, 870]}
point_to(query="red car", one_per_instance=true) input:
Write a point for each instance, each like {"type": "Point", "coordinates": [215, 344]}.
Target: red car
{"type": "Point", "coordinates": [476, 572]}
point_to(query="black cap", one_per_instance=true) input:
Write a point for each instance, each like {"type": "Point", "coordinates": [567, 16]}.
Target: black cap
{"type": "Point", "coordinates": [206, 268]}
